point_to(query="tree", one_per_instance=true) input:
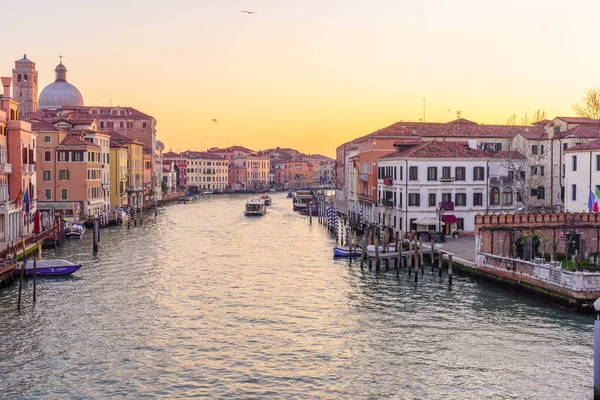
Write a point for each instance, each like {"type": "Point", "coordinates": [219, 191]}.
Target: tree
{"type": "Point", "coordinates": [537, 115]}
{"type": "Point", "coordinates": [512, 120]}
{"type": "Point", "coordinates": [589, 106]}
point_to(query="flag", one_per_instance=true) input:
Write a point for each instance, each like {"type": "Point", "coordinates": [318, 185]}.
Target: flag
{"type": "Point", "coordinates": [18, 199]}
{"type": "Point", "coordinates": [591, 200]}
{"type": "Point", "coordinates": [26, 200]}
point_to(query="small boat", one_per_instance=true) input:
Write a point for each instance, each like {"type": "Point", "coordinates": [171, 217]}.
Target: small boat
{"type": "Point", "coordinates": [267, 199]}
{"type": "Point", "coordinates": [255, 207]}
{"type": "Point", "coordinates": [55, 267]}
{"type": "Point", "coordinates": [75, 231]}
{"type": "Point", "coordinates": [290, 195]}
{"type": "Point", "coordinates": [345, 252]}
{"type": "Point", "coordinates": [208, 192]}
{"type": "Point", "coordinates": [272, 190]}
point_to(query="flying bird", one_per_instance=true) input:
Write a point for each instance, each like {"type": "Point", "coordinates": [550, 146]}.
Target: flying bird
{"type": "Point", "coordinates": [216, 121]}
{"type": "Point", "coordinates": [248, 12]}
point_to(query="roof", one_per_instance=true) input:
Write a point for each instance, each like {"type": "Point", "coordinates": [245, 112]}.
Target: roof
{"type": "Point", "coordinates": [451, 149]}
{"type": "Point", "coordinates": [577, 120]}
{"type": "Point", "coordinates": [581, 132]}
{"type": "Point", "coordinates": [116, 145]}
{"type": "Point", "coordinates": [76, 141]}
{"type": "Point", "coordinates": [543, 122]}
{"type": "Point", "coordinates": [534, 135]}
{"type": "Point", "coordinates": [121, 138]}
{"type": "Point", "coordinates": [42, 126]}
{"type": "Point", "coordinates": [589, 146]}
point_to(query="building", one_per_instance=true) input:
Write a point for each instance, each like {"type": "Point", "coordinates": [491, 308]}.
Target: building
{"type": "Point", "coordinates": [119, 156]}
{"type": "Point", "coordinates": [25, 85]}
{"type": "Point", "coordinates": [60, 92]}
{"type": "Point", "coordinates": [169, 177]}
{"type": "Point", "coordinates": [444, 182]}
{"type": "Point", "coordinates": [200, 171]}
{"type": "Point", "coordinates": [18, 188]}
{"type": "Point", "coordinates": [258, 169]}
{"type": "Point", "coordinates": [582, 176]}
{"type": "Point", "coordinates": [135, 168]}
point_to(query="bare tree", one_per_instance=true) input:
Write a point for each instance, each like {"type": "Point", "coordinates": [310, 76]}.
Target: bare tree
{"type": "Point", "coordinates": [589, 106]}
{"type": "Point", "coordinates": [512, 120]}
{"type": "Point", "coordinates": [538, 115]}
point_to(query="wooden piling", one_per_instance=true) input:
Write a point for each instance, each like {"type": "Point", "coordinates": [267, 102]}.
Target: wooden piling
{"type": "Point", "coordinates": [95, 238]}
{"type": "Point", "coordinates": [450, 269]}
{"type": "Point", "coordinates": [377, 263]}
{"type": "Point", "coordinates": [141, 215]}
{"type": "Point", "coordinates": [440, 262]}
{"type": "Point", "coordinates": [398, 249]}
{"type": "Point", "coordinates": [421, 255]}
{"type": "Point", "coordinates": [363, 250]}
{"type": "Point", "coordinates": [310, 215]}
{"type": "Point", "coordinates": [34, 279]}
{"type": "Point", "coordinates": [23, 266]}
{"type": "Point", "coordinates": [409, 260]}
{"type": "Point", "coordinates": [432, 257]}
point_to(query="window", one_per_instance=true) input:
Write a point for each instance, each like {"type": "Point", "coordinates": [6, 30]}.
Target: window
{"type": "Point", "coordinates": [446, 197]}
{"type": "Point", "coordinates": [541, 149]}
{"type": "Point", "coordinates": [413, 173]}
{"type": "Point", "coordinates": [494, 196]}
{"type": "Point", "coordinates": [541, 192]}
{"type": "Point", "coordinates": [144, 125]}
{"type": "Point", "coordinates": [77, 156]}
{"type": "Point", "coordinates": [534, 149]}
{"type": "Point", "coordinates": [477, 199]}
{"type": "Point", "coordinates": [522, 175]}
{"type": "Point", "coordinates": [432, 173]}
{"type": "Point", "coordinates": [459, 174]}
{"type": "Point", "coordinates": [414, 199]}
{"type": "Point", "coordinates": [597, 162]}
{"type": "Point", "coordinates": [432, 200]}
{"type": "Point", "coordinates": [25, 78]}
{"type": "Point", "coordinates": [19, 78]}
{"type": "Point", "coordinates": [574, 162]}
{"type": "Point", "coordinates": [47, 155]}
{"type": "Point", "coordinates": [121, 124]}
{"type": "Point", "coordinates": [110, 124]}
{"type": "Point", "coordinates": [101, 124]}
{"type": "Point", "coordinates": [47, 175]}
{"type": "Point", "coordinates": [460, 199]}
{"type": "Point", "coordinates": [565, 146]}
{"type": "Point", "coordinates": [460, 225]}
{"type": "Point", "coordinates": [573, 192]}
{"type": "Point", "coordinates": [538, 170]}
{"type": "Point", "coordinates": [47, 194]}
{"type": "Point", "coordinates": [478, 174]}
{"type": "Point", "coordinates": [63, 174]}
{"type": "Point", "coordinates": [507, 197]}
{"type": "Point", "coordinates": [47, 139]}
{"type": "Point", "coordinates": [445, 172]}
{"type": "Point", "coordinates": [64, 194]}
{"type": "Point", "coordinates": [130, 124]}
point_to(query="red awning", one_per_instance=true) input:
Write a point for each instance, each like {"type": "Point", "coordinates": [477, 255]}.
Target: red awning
{"type": "Point", "coordinates": [449, 219]}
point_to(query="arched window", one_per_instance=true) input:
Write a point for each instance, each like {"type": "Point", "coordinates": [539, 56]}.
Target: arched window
{"type": "Point", "coordinates": [507, 197]}
{"type": "Point", "coordinates": [494, 196]}
{"type": "Point", "coordinates": [25, 78]}
{"type": "Point", "coordinates": [19, 78]}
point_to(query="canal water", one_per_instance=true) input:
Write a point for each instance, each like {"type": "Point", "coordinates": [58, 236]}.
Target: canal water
{"type": "Point", "coordinates": [205, 302]}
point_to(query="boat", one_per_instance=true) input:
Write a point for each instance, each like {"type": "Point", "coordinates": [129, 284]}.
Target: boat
{"type": "Point", "coordinates": [290, 195]}
{"type": "Point", "coordinates": [55, 267]}
{"type": "Point", "coordinates": [75, 231]}
{"type": "Point", "coordinates": [345, 252]}
{"type": "Point", "coordinates": [255, 207]}
{"type": "Point", "coordinates": [302, 199]}
{"type": "Point", "coordinates": [272, 190]}
{"type": "Point", "coordinates": [267, 199]}
{"type": "Point", "coordinates": [208, 192]}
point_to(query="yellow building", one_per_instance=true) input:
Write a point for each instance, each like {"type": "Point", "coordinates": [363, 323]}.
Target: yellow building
{"type": "Point", "coordinates": [119, 155]}
{"type": "Point", "coordinates": [135, 168]}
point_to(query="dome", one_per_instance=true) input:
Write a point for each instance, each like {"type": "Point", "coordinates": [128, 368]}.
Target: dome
{"type": "Point", "coordinates": [60, 92]}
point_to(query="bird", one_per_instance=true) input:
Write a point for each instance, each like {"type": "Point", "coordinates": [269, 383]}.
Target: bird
{"type": "Point", "coordinates": [216, 121]}
{"type": "Point", "coordinates": [248, 12]}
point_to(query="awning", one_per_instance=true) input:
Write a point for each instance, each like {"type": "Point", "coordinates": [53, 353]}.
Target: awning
{"type": "Point", "coordinates": [451, 219]}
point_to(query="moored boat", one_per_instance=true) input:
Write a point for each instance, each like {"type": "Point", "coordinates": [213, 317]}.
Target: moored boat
{"type": "Point", "coordinates": [75, 231]}
{"type": "Point", "coordinates": [55, 267]}
{"type": "Point", "coordinates": [255, 207]}
{"type": "Point", "coordinates": [290, 195]}
{"type": "Point", "coordinates": [345, 252]}
{"type": "Point", "coordinates": [267, 199]}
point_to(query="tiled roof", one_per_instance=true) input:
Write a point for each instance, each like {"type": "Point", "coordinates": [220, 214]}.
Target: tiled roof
{"type": "Point", "coordinates": [42, 126]}
{"type": "Point", "coordinates": [577, 120]}
{"type": "Point", "coordinates": [171, 154]}
{"type": "Point", "coordinates": [121, 138]}
{"type": "Point", "coordinates": [534, 135]}
{"type": "Point", "coordinates": [462, 121]}
{"type": "Point", "coordinates": [593, 145]}
{"type": "Point", "coordinates": [580, 131]}
{"type": "Point", "coordinates": [76, 141]}
{"type": "Point", "coordinates": [116, 145]}
{"type": "Point", "coordinates": [450, 149]}
{"type": "Point", "coordinates": [544, 122]}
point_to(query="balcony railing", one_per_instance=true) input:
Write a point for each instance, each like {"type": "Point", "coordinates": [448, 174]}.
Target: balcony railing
{"type": "Point", "coordinates": [387, 203]}
{"type": "Point", "coordinates": [447, 179]}
{"type": "Point", "coordinates": [5, 168]}
{"type": "Point", "coordinates": [364, 177]}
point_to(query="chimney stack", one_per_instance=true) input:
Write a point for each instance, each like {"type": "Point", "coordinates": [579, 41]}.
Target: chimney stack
{"type": "Point", "coordinates": [6, 81]}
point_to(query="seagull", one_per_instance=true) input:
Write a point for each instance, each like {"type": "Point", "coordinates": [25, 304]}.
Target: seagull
{"type": "Point", "coordinates": [248, 12]}
{"type": "Point", "coordinates": [216, 121]}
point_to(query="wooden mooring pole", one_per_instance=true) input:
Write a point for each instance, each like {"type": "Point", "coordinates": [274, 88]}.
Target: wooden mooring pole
{"type": "Point", "coordinates": [377, 264]}
{"type": "Point", "coordinates": [440, 262]}
{"type": "Point", "coordinates": [450, 269]}
{"type": "Point", "coordinates": [34, 279]}
{"type": "Point", "coordinates": [421, 256]}
{"type": "Point", "coordinates": [363, 250]}
{"type": "Point", "coordinates": [23, 266]}
{"type": "Point", "coordinates": [410, 258]}
{"type": "Point", "coordinates": [95, 239]}
{"type": "Point", "coordinates": [432, 257]}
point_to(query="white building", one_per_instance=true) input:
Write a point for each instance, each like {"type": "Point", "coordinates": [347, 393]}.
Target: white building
{"type": "Point", "coordinates": [419, 180]}
{"type": "Point", "coordinates": [582, 175]}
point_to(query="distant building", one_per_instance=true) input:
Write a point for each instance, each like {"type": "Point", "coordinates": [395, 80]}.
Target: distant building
{"type": "Point", "coordinates": [25, 85]}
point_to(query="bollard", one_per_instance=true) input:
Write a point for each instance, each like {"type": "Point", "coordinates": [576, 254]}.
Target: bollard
{"type": "Point", "coordinates": [155, 208]}
{"type": "Point", "coordinates": [310, 215]}
{"type": "Point", "coordinates": [23, 266]}
{"type": "Point", "coordinates": [34, 279]}
{"type": "Point", "coordinates": [450, 269]}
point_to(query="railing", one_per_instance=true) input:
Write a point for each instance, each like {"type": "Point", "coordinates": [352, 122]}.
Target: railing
{"type": "Point", "coordinates": [364, 177]}
{"type": "Point", "coordinates": [446, 179]}
{"type": "Point", "coordinates": [5, 168]}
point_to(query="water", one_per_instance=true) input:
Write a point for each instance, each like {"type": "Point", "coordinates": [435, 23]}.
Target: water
{"type": "Point", "coordinates": [205, 302]}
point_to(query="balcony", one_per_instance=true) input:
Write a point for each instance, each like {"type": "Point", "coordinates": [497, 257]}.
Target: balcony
{"type": "Point", "coordinates": [388, 181]}
{"type": "Point", "coordinates": [447, 179]}
{"type": "Point", "coordinates": [5, 168]}
{"type": "Point", "coordinates": [131, 189]}
{"type": "Point", "coordinates": [387, 203]}
{"type": "Point", "coordinates": [364, 177]}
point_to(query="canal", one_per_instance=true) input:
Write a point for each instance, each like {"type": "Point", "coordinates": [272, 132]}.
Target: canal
{"type": "Point", "coordinates": [205, 302]}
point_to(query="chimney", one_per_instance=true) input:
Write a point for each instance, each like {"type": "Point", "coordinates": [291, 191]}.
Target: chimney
{"type": "Point", "coordinates": [6, 81]}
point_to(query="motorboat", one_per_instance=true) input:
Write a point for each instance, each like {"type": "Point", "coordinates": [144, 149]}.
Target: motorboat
{"type": "Point", "coordinates": [255, 207]}
{"type": "Point", "coordinates": [290, 195]}
{"type": "Point", "coordinates": [344, 251]}
{"type": "Point", "coordinates": [208, 192]}
{"type": "Point", "coordinates": [267, 199]}
{"type": "Point", "coordinates": [54, 267]}
{"type": "Point", "coordinates": [75, 231]}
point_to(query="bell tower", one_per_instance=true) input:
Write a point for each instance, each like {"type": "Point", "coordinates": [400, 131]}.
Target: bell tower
{"type": "Point", "coordinates": [25, 85]}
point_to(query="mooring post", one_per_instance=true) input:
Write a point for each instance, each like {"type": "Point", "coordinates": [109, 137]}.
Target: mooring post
{"type": "Point", "coordinates": [155, 208]}
{"type": "Point", "coordinates": [396, 260]}
{"type": "Point", "coordinates": [310, 212]}
{"type": "Point", "coordinates": [23, 266]}
{"type": "Point", "coordinates": [450, 269]}
{"type": "Point", "coordinates": [597, 351]}
{"type": "Point", "coordinates": [34, 279]}
{"type": "Point", "coordinates": [377, 264]}
{"type": "Point", "coordinates": [409, 261]}
{"type": "Point", "coordinates": [421, 255]}
{"type": "Point", "coordinates": [363, 250]}
{"type": "Point", "coordinates": [432, 259]}
{"type": "Point", "coordinates": [441, 262]}
{"type": "Point", "coordinates": [95, 238]}
{"type": "Point", "coordinates": [141, 216]}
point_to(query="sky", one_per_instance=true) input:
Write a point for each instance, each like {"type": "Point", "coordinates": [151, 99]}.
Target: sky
{"type": "Point", "coordinates": [310, 74]}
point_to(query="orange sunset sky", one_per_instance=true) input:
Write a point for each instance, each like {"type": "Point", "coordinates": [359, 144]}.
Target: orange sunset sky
{"type": "Point", "coordinates": [310, 74]}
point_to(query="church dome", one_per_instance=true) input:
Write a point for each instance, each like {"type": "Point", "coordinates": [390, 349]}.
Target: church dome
{"type": "Point", "coordinates": [60, 92]}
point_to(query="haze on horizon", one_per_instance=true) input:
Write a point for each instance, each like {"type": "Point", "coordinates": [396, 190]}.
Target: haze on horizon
{"type": "Point", "coordinates": [312, 74]}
